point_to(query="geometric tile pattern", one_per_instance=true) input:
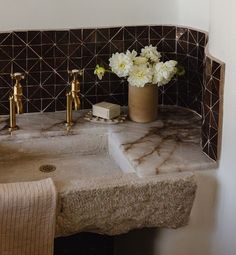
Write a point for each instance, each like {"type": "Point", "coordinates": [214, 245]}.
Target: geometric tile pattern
{"type": "Point", "coordinates": [46, 56]}
{"type": "Point", "coordinates": [212, 107]}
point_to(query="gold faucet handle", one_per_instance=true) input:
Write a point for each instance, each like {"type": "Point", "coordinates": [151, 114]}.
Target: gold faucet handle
{"type": "Point", "coordinates": [76, 73]}
{"type": "Point", "coordinates": [17, 76]}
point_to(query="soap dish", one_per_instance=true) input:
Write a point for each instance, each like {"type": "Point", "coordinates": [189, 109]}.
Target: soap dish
{"type": "Point", "coordinates": [90, 117]}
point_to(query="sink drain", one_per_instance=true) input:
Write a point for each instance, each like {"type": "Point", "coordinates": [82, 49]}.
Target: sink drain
{"type": "Point", "coordinates": [47, 168]}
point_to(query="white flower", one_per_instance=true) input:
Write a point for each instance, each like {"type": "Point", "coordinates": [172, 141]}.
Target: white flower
{"type": "Point", "coordinates": [171, 64]}
{"type": "Point", "coordinates": [164, 72]}
{"type": "Point", "coordinates": [140, 61]}
{"type": "Point", "coordinates": [120, 64]}
{"type": "Point", "coordinates": [140, 75]}
{"type": "Point", "coordinates": [132, 54]}
{"type": "Point", "coordinates": [141, 69]}
{"type": "Point", "coordinates": [99, 71]}
{"type": "Point", "coordinates": [151, 53]}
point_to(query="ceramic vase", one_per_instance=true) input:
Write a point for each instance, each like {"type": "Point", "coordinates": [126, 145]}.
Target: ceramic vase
{"type": "Point", "coordinates": [142, 103]}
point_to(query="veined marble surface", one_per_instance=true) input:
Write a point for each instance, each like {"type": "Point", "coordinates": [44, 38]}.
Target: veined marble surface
{"type": "Point", "coordinates": [170, 144]}
{"type": "Point", "coordinates": [152, 183]}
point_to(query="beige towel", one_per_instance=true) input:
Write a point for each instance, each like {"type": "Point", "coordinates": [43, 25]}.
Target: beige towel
{"type": "Point", "coordinates": [27, 218]}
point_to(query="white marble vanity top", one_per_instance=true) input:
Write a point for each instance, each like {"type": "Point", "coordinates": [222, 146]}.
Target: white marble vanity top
{"type": "Point", "coordinates": [170, 144]}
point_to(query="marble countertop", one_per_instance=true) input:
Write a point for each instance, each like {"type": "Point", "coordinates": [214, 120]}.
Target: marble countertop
{"type": "Point", "coordinates": [156, 187]}
{"type": "Point", "coordinates": [170, 144]}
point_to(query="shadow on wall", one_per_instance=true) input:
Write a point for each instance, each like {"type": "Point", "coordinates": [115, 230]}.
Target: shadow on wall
{"type": "Point", "coordinates": [194, 239]}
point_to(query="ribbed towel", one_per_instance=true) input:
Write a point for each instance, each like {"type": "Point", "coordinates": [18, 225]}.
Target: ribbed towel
{"type": "Point", "coordinates": [27, 218]}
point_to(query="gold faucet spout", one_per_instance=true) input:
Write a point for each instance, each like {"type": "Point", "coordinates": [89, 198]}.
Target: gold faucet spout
{"type": "Point", "coordinates": [19, 106]}
{"type": "Point", "coordinates": [76, 101]}
{"type": "Point", "coordinates": [75, 90]}
{"type": "Point", "coordinates": [17, 94]}
{"type": "Point", "coordinates": [73, 96]}
{"type": "Point", "coordinates": [15, 100]}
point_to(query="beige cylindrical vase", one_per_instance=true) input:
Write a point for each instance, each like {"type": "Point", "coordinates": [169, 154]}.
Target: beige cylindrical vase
{"type": "Point", "coordinates": [142, 103]}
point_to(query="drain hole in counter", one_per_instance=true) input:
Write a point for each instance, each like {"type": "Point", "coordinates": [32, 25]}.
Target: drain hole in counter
{"type": "Point", "coordinates": [47, 168]}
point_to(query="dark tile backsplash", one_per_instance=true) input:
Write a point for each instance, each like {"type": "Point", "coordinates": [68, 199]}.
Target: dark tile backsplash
{"type": "Point", "coordinates": [212, 107]}
{"type": "Point", "coordinates": [46, 56]}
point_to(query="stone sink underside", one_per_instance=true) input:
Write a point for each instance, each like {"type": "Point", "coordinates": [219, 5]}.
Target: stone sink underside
{"type": "Point", "coordinates": [118, 205]}
{"type": "Point", "coordinates": [152, 183]}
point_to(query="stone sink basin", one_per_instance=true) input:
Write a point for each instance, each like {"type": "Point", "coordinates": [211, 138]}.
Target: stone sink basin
{"type": "Point", "coordinates": [64, 158]}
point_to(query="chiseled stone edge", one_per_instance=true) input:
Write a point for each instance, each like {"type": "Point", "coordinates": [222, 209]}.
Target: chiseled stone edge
{"type": "Point", "coordinates": [118, 205]}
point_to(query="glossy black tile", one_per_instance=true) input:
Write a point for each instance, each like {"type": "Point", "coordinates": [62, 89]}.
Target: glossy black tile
{"type": "Point", "coordinates": [116, 46]}
{"type": "Point", "coordinates": [34, 38]}
{"type": "Point", "coordinates": [6, 52]}
{"type": "Point", "coordinates": [5, 67]}
{"type": "Point", "coordinates": [212, 107]}
{"type": "Point", "coordinates": [62, 37]}
{"type": "Point", "coordinates": [102, 35]}
{"type": "Point", "coordinates": [20, 38]}
{"type": "Point", "coordinates": [6, 39]}
{"type": "Point", "coordinates": [117, 33]}
{"type": "Point", "coordinates": [48, 37]}
{"type": "Point", "coordinates": [129, 33]}
{"type": "Point", "coordinates": [142, 32]}
{"type": "Point", "coordinates": [75, 36]}
{"type": "Point", "coordinates": [37, 51]}
{"type": "Point", "coordinates": [168, 45]}
{"type": "Point", "coordinates": [89, 35]}
{"type": "Point", "coordinates": [156, 32]}
{"type": "Point", "coordinates": [182, 34]}
{"type": "Point", "coordinates": [169, 32]}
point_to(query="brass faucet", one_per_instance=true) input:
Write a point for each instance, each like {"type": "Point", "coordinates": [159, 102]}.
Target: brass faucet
{"type": "Point", "coordinates": [15, 100]}
{"type": "Point", "coordinates": [73, 96]}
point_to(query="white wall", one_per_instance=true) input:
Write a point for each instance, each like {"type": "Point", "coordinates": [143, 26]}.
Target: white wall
{"type": "Point", "coordinates": [58, 14]}
{"type": "Point", "coordinates": [53, 14]}
{"type": "Point", "coordinates": [194, 13]}
{"type": "Point", "coordinates": [222, 45]}
{"type": "Point", "coordinates": [196, 237]}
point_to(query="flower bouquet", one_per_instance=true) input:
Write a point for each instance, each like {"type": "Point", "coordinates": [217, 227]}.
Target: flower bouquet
{"type": "Point", "coordinates": [145, 73]}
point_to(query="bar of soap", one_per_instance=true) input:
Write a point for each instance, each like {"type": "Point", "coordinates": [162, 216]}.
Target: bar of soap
{"type": "Point", "coordinates": [106, 110]}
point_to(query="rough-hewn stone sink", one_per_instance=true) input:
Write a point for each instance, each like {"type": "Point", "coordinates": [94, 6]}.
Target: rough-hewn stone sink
{"type": "Point", "coordinates": [75, 157]}
{"type": "Point", "coordinates": [155, 188]}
